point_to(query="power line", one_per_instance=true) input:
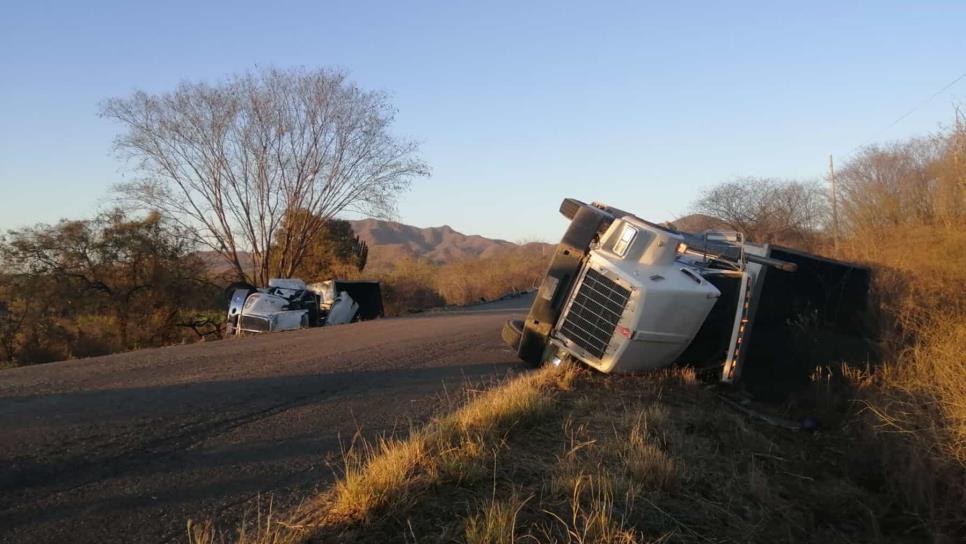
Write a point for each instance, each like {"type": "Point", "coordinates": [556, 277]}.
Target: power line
{"type": "Point", "coordinates": [924, 102]}
{"type": "Point", "coordinates": [914, 109]}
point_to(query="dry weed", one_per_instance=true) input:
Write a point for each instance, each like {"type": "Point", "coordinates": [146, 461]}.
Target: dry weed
{"type": "Point", "coordinates": [381, 475]}
{"type": "Point", "coordinates": [496, 523]}
{"type": "Point", "coordinates": [592, 509]}
{"type": "Point", "coordinates": [645, 462]}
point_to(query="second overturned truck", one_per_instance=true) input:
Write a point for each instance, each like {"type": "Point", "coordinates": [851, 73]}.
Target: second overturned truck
{"type": "Point", "coordinates": [623, 294]}
{"type": "Point", "coordinates": [289, 304]}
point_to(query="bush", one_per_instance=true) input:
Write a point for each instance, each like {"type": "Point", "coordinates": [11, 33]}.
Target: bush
{"type": "Point", "coordinates": [97, 286]}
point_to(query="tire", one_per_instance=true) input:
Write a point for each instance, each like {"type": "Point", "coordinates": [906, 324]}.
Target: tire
{"type": "Point", "coordinates": [230, 290]}
{"type": "Point", "coordinates": [569, 207]}
{"type": "Point", "coordinates": [512, 332]}
{"type": "Point", "coordinates": [587, 224]}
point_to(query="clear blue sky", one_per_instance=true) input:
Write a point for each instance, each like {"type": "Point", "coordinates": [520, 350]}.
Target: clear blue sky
{"type": "Point", "coordinates": [517, 104]}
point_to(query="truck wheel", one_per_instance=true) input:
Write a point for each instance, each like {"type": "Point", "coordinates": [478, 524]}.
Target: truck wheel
{"type": "Point", "coordinates": [587, 224]}
{"type": "Point", "coordinates": [230, 290]}
{"type": "Point", "coordinates": [512, 332]}
{"type": "Point", "coordinates": [569, 207]}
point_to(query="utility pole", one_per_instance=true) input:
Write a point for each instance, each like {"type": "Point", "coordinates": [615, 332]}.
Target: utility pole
{"type": "Point", "coordinates": [835, 207]}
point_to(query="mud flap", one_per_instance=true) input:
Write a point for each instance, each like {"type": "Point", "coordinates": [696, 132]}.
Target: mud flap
{"type": "Point", "coordinates": [586, 224]}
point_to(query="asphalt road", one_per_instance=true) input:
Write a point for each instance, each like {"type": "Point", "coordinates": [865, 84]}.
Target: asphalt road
{"type": "Point", "coordinates": [126, 448]}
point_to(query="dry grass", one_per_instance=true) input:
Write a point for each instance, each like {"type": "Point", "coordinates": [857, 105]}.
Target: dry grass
{"type": "Point", "coordinates": [379, 476]}
{"type": "Point", "coordinates": [264, 529]}
{"type": "Point", "coordinates": [410, 284]}
{"type": "Point", "coordinates": [388, 476]}
{"type": "Point", "coordinates": [914, 405]}
{"type": "Point", "coordinates": [567, 455]}
{"type": "Point", "coordinates": [496, 523]}
{"type": "Point", "coordinates": [934, 370]}
{"type": "Point", "coordinates": [643, 455]}
{"type": "Point", "coordinates": [592, 515]}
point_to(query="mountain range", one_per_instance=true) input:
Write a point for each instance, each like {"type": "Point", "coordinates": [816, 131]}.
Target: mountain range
{"type": "Point", "coordinates": [390, 241]}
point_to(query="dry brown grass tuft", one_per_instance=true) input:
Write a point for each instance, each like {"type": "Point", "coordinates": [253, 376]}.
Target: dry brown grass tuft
{"type": "Point", "coordinates": [565, 455]}
{"type": "Point", "coordinates": [516, 402]}
{"type": "Point", "coordinates": [645, 461]}
{"type": "Point", "coordinates": [592, 511]}
{"type": "Point", "coordinates": [934, 368]}
{"type": "Point", "coordinates": [380, 475]}
{"type": "Point", "coordinates": [496, 523]}
{"type": "Point", "coordinates": [265, 529]}
{"type": "Point", "coordinates": [387, 477]}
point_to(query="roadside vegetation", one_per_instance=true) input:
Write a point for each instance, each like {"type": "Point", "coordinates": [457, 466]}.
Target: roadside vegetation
{"type": "Point", "coordinates": [904, 209]}
{"type": "Point", "coordinates": [388, 477]}
{"type": "Point", "coordinates": [912, 407]}
{"type": "Point", "coordinates": [117, 283]}
{"type": "Point", "coordinates": [91, 287]}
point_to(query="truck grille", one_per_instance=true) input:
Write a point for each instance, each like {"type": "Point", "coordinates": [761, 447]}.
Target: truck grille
{"type": "Point", "coordinates": [594, 313]}
{"type": "Point", "coordinates": [253, 324]}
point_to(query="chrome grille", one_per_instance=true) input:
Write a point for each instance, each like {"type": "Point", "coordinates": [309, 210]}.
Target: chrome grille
{"type": "Point", "coordinates": [594, 313]}
{"type": "Point", "coordinates": [253, 324]}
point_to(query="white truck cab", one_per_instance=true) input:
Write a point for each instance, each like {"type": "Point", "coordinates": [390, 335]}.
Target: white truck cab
{"type": "Point", "coordinates": [638, 303]}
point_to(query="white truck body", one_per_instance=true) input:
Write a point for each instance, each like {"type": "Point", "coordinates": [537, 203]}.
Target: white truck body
{"type": "Point", "coordinates": [638, 283]}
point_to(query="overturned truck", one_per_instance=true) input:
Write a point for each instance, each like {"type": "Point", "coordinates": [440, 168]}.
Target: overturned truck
{"type": "Point", "coordinates": [623, 295]}
{"type": "Point", "coordinates": [288, 304]}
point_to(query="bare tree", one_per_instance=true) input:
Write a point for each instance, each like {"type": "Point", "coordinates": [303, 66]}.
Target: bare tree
{"type": "Point", "coordinates": [229, 160]}
{"type": "Point", "coordinates": [885, 186]}
{"type": "Point", "coordinates": [768, 210]}
{"type": "Point", "coordinates": [949, 195]}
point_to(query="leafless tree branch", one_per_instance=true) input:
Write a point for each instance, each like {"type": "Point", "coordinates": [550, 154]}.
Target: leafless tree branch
{"type": "Point", "coordinates": [229, 160]}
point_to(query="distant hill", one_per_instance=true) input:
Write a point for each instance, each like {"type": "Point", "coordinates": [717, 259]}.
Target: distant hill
{"type": "Point", "coordinates": [390, 241]}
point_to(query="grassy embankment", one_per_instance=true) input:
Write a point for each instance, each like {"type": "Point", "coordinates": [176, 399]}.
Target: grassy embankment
{"type": "Point", "coordinates": [912, 408]}
{"type": "Point", "coordinates": [566, 455]}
